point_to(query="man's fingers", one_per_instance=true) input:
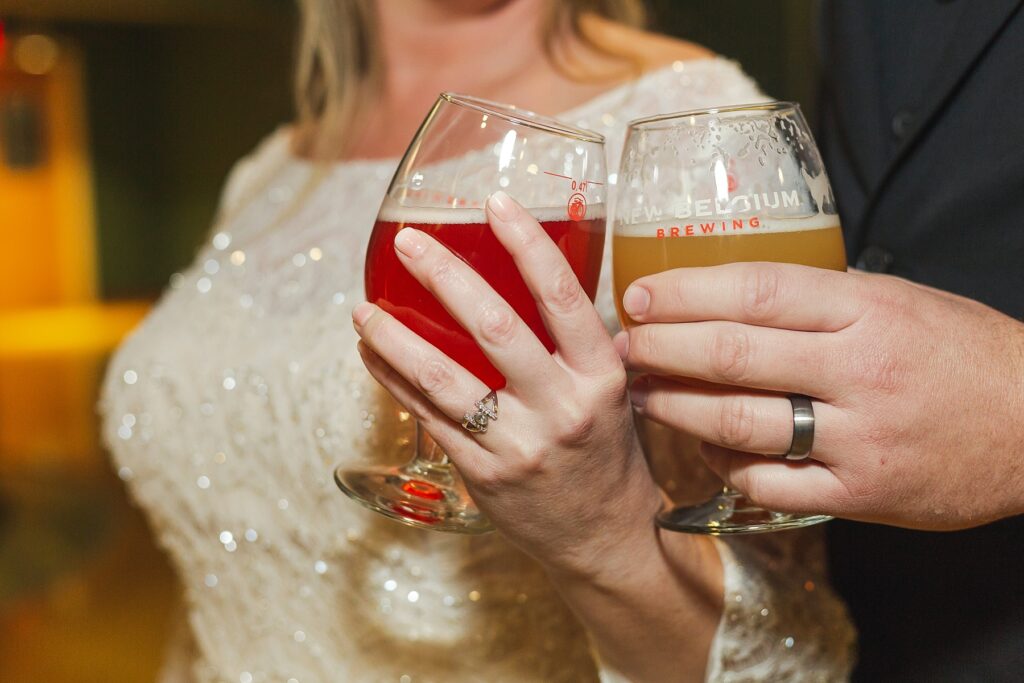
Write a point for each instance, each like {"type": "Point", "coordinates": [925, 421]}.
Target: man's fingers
{"type": "Point", "coordinates": [806, 487]}
{"type": "Point", "coordinates": [770, 294]}
{"type": "Point", "coordinates": [742, 420]}
{"type": "Point", "coordinates": [734, 354]}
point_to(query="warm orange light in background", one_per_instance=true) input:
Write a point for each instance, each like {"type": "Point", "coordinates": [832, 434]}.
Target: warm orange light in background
{"type": "Point", "coordinates": [36, 54]}
{"type": "Point", "coordinates": [46, 210]}
{"type": "Point", "coordinates": [67, 330]}
{"type": "Point", "coordinates": [54, 339]}
{"type": "Point", "coordinates": [54, 335]}
{"type": "Point", "coordinates": [75, 563]}
{"type": "Point", "coordinates": [51, 360]}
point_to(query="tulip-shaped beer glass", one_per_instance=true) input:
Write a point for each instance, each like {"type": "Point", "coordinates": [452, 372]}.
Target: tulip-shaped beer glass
{"type": "Point", "coordinates": [711, 187]}
{"type": "Point", "coordinates": [466, 149]}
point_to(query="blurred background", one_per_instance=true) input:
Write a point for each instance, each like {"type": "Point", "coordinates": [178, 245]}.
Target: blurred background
{"type": "Point", "coordinates": [119, 120]}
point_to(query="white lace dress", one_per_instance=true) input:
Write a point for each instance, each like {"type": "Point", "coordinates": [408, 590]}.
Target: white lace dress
{"type": "Point", "coordinates": [228, 408]}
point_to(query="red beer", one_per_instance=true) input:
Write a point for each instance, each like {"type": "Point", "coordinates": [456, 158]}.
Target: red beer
{"type": "Point", "coordinates": [467, 234]}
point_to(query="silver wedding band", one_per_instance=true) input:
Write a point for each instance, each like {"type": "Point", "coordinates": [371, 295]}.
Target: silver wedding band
{"type": "Point", "coordinates": [803, 428]}
{"type": "Point", "coordinates": [486, 410]}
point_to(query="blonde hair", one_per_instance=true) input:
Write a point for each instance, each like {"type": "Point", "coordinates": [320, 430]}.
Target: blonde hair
{"type": "Point", "coordinates": [338, 57]}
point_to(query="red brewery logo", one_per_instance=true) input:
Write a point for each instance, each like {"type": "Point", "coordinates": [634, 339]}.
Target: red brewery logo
{"type": "Point", "coordinates": [709, 228]}
{"type": "Point", "coordinates": [577, 206]}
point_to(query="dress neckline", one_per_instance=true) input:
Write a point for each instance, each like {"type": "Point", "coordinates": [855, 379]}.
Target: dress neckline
{"type": "Point", "coordinates": [283, 133]}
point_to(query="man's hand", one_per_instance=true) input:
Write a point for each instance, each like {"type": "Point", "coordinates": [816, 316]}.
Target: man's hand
{"type": "Point", "coordinates": [918, 394]}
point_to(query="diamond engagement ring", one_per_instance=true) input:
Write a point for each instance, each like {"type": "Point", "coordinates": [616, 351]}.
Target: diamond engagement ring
{"type": "Point", "coordinates": [486, 410]}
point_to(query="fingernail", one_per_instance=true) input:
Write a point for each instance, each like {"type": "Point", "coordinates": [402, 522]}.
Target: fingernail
{"type": "Point", "coordinates": [621, 342]}
{"type": "Point", "coordinates": [502, 206]}
{"type": "Point", "coordinates": [362, 313]}
{"type": "Point", "coordinates": [410, 242]}
{"type": "Point", "coordinates": [638, 393]}
{"type": "Point", "coordinates": [636, 300]}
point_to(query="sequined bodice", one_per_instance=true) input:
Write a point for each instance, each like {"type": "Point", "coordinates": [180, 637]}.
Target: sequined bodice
{"type": "Point", "coordinates": [228, 408]}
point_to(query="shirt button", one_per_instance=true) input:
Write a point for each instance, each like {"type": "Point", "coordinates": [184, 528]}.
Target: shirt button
{"type": "Point", "coordinates": [901, 123]}
{"type": "Point", "coordinates": [875, 260]}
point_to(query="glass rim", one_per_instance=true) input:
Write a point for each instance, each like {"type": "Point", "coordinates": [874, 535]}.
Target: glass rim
{"type": "Point", "coordinates": [773, 105]}
{"type": "Point", "coordinates": [523, 117]}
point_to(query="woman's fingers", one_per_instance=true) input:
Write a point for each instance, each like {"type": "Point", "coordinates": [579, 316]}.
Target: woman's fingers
{"type": "Point", "coordinates": [806, 486]}
{"type": "Point", "coordinates": [741, 420]}
{"type": "Point", "coordinates": [568, 313]}
{"type": "Point", "coordinates": [502, 335]}
{"type": "Point", "coordinates": [449, 386]}
{"type": "Point", "coordinates": [453, 439]}
{"type": "Point", "coordinates": [770, 294]}
{"type": "Point", "coordinates": [734, 354]}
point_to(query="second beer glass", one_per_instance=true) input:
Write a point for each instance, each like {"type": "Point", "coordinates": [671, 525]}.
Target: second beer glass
{"type": "Point", "coordinates": [711, 187]}
{"type": "Point", "coordinates": [466, 149]}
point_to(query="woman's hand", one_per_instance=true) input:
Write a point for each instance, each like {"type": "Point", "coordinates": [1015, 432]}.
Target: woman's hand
{"type": "Point", "coordinates": [560, 472]}
{"type": "Point", "coordinates": [918, 394]}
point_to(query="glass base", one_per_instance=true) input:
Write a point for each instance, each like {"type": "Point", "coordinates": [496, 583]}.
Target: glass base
{"type": "Point", "coordinates": [731, 513]}
{"type": "Point", "coordinates": [423, 497]}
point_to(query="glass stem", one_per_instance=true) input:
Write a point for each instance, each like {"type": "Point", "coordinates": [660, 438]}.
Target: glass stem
{"type": "Point", "coordinates": [431, 460]}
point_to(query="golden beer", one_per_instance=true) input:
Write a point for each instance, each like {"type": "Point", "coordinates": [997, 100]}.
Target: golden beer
{"type": "Point", "coordinates": [644, 253]}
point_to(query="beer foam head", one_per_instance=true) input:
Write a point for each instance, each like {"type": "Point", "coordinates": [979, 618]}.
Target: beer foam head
{"type": "Point", "coordinates": [727, 225]}
{"type": "Point", "coordinates": [393, 213]}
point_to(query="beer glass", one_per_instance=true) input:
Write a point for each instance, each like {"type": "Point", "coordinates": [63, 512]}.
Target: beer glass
{"type": "Point", "coordinates": [704, 188]}
{"type": "Point", "coordinates": [466, 149]}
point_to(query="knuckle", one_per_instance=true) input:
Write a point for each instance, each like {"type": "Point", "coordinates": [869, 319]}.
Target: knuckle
{"type": "Point", "coordinates": [729, 355]}
{"type": "Point", "coordinates": [434, 376]}
{"type": "Point", "coordinates": [759, 291]}
{"type": "Point", "coordinates": [576, 425]}
{"type": "Point", "coordinates": [883, 374]}
{"type": "Point", "coordinates": [497, 324]}
{"type": "Point", "coordinates": [735, 423]}
{"type": "Point", "coordinates": [608, 389]}
{"type": "Point", "coordinates": [531, 463]}
{"type": "Point", "coordinates": [613, 383]}
{"type": "Point", "coordinates": [885, 295]}
{"type": "Point", "coordinates": [879, 371]}
{"type": "Point", "coordinates": [564, 295]}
